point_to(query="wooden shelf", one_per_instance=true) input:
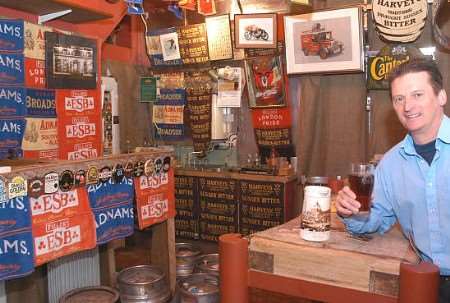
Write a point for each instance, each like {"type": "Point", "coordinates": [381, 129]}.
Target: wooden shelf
{"type": "Point", "coordinates": [80, 12]}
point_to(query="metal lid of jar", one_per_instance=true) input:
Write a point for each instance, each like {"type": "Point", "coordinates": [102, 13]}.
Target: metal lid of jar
{"type": "Point", "coordinates": [316, 180]}
{"type": "Point", "coordinates": [95, 294]}
{"type": "Point", "coordinates": [208, 263]}
{"type": "Point", "coordinates": [140, 275]}
{"type": "Point", "coordinates": [199, 285]}
{"type": "Point", "coordinates": [186, 250]}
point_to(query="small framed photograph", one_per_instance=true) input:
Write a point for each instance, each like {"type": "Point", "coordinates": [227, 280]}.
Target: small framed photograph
{"type": "Point", "coordinates": [255, 31]}
{"type": "Point", "coordinates": [324, 42]}
{"type": "Point", "coordinates": [265, 80]}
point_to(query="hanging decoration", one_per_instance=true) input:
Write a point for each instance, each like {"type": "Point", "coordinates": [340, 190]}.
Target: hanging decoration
{"type": "Point", "coordinates": [199, 103]}
{"type": "Point", "coordinates": [193, 43]}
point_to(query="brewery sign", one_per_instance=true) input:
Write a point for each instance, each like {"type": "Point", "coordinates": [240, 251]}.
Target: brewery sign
{"type": "Point", "coordinates": [193, 43]}
{"type": "Point", "coordinates": [389, 57]}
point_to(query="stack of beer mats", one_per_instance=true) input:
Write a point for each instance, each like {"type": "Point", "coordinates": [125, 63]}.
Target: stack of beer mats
{"type": "Point", "coordinates": [218, 207]}
{"type": "Point", "coordinates": [187, 207]}
{"type": "Point", "coordinates": [261, 205]}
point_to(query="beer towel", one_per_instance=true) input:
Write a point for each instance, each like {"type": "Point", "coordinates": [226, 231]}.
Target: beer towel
{"type": "Point", "coordinates": [16, 242]}
{"type": "Point", "coordinates": [155, 198]}
{"type": "Point", "coordinates": [112, 204]}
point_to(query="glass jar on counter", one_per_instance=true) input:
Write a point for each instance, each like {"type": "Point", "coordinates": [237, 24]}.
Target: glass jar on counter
{"type": "Point", "coordinates": [316, 218]}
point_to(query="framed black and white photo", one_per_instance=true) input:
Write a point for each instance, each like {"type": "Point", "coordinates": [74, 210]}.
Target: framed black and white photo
{"type": "Point", "coordinates": [255, 30]}
{"type": "Point", "coordinates": [324, 42]}
{"type": "Point", "coordinates": [70, 61]}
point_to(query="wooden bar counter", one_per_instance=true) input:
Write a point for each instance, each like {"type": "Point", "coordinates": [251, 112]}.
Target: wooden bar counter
{"type": "Point", "coordinates": [365, 264]}
{"type": "Point", "coordinates": [345, 269]}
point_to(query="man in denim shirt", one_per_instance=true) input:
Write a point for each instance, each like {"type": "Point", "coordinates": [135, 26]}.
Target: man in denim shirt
{"type": "Point", "coordinates": [412, 181]}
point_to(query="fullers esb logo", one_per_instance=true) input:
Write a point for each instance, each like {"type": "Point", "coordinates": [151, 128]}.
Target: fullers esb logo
{"type": "Point", "coordinates": [59, 234]}
{"type": "Point", "coordinates": [79, 104]}
{"type": "Point", "coordinates": [54, 203]}
{"type": "Point", "coordinates": [80, 130]}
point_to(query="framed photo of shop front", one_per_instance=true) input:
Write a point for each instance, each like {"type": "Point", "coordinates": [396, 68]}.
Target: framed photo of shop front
{"type": "Point", "coordinates": [324, 42]}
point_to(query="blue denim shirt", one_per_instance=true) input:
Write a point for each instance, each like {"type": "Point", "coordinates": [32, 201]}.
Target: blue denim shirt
{"type": "Point", "coordinates": [416, 194]}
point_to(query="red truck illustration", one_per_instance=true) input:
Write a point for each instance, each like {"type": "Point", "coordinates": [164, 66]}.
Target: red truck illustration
{"type": "Point", "coordinates": [319, 41]}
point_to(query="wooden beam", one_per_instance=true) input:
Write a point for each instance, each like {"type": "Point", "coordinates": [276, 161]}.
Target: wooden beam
{"type": "Point", "coordinates": [311, 290]}
{"type": "Point", "coordinates": [163, 249]}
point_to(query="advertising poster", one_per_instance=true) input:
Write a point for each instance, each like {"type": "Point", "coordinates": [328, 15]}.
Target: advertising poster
{"type": "Point", "coordinates": [11, 35]}
{"type": "Point", "coordinates": [15, 215]}
{"type": "Point", "coordinates": [273, 130]}
{"type": "Point", "coordinates": [80, 151]}
{"type": "Point", "coordinates": [41, 134]}
{"type": "Point", "coordinates": [168, 114]}
{"type": "Point", "coordinates": [11, 135]}
{"type": "Point", "coordinates": [11, 69]}
{"type": "Point", "coordinates": [155, 197]}
{"type": "Point", "coordinates": [59, 205]}
{"type": "Point", "coordinates": [72, 103]}
{"type": "Point", "coordinates": [41, 103]}
{"type": "Point", "coordinates": [35, 73]}
{"type": "Point", "coordinates": [154, 48]}
{"type": "Point", "coordinates": [34, 44]}
{"type": "Point", "coordinates": [219, 37]}
{"type": "Point", "coordinates": [58, 238]}
{"type": "Point", "coordinates": [112, 204]}
{"type": "Point", "coordinates": [193, 43]}
{"type": "Point", "coordinates": [12, 101]}
{"type": "Point", "coordinates": [265, 82]}
{"type": "Point", "coordinates": [17, 259]}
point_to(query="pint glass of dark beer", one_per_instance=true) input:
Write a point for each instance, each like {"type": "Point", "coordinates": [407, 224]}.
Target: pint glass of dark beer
{"type": "Point", "coordinates": [361, 183]}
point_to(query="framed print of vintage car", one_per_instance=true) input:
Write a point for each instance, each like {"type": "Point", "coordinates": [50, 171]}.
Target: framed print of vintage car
{"type": "Point", "coordinates": [255, 31]}
{"type": "Point", "coordinates": [324, 42]}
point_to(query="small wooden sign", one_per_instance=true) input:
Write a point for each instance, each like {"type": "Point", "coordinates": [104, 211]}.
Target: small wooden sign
{"type": "Point", "coordinates": [148, 89]}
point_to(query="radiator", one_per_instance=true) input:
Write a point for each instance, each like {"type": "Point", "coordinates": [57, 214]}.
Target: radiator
{"type": "Point", "coordinates": [2, 292]}
{"type": "Point", "coordinates": [73, 271]}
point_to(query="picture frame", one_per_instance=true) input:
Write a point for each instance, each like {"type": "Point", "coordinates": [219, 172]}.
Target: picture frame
{"type": "Point", "coordinates": [325, 42]}
{"type": "Point", "coordinates": [70, 61]}
{"type": "Point", "coordinates": [255, 30]}
{"type": "Point", "coordinates": [265, 82]}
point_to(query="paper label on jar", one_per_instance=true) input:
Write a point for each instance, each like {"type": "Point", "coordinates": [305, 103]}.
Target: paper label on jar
{"type": "Point", "coordinates": [316, 219]}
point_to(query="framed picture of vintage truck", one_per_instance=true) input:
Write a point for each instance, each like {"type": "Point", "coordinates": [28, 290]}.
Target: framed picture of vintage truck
{"type": "Point", "coordinates": [324, 42]}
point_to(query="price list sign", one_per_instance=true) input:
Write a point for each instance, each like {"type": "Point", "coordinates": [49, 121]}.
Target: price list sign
{"type": "Point", "coordinates": [219, 37]}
